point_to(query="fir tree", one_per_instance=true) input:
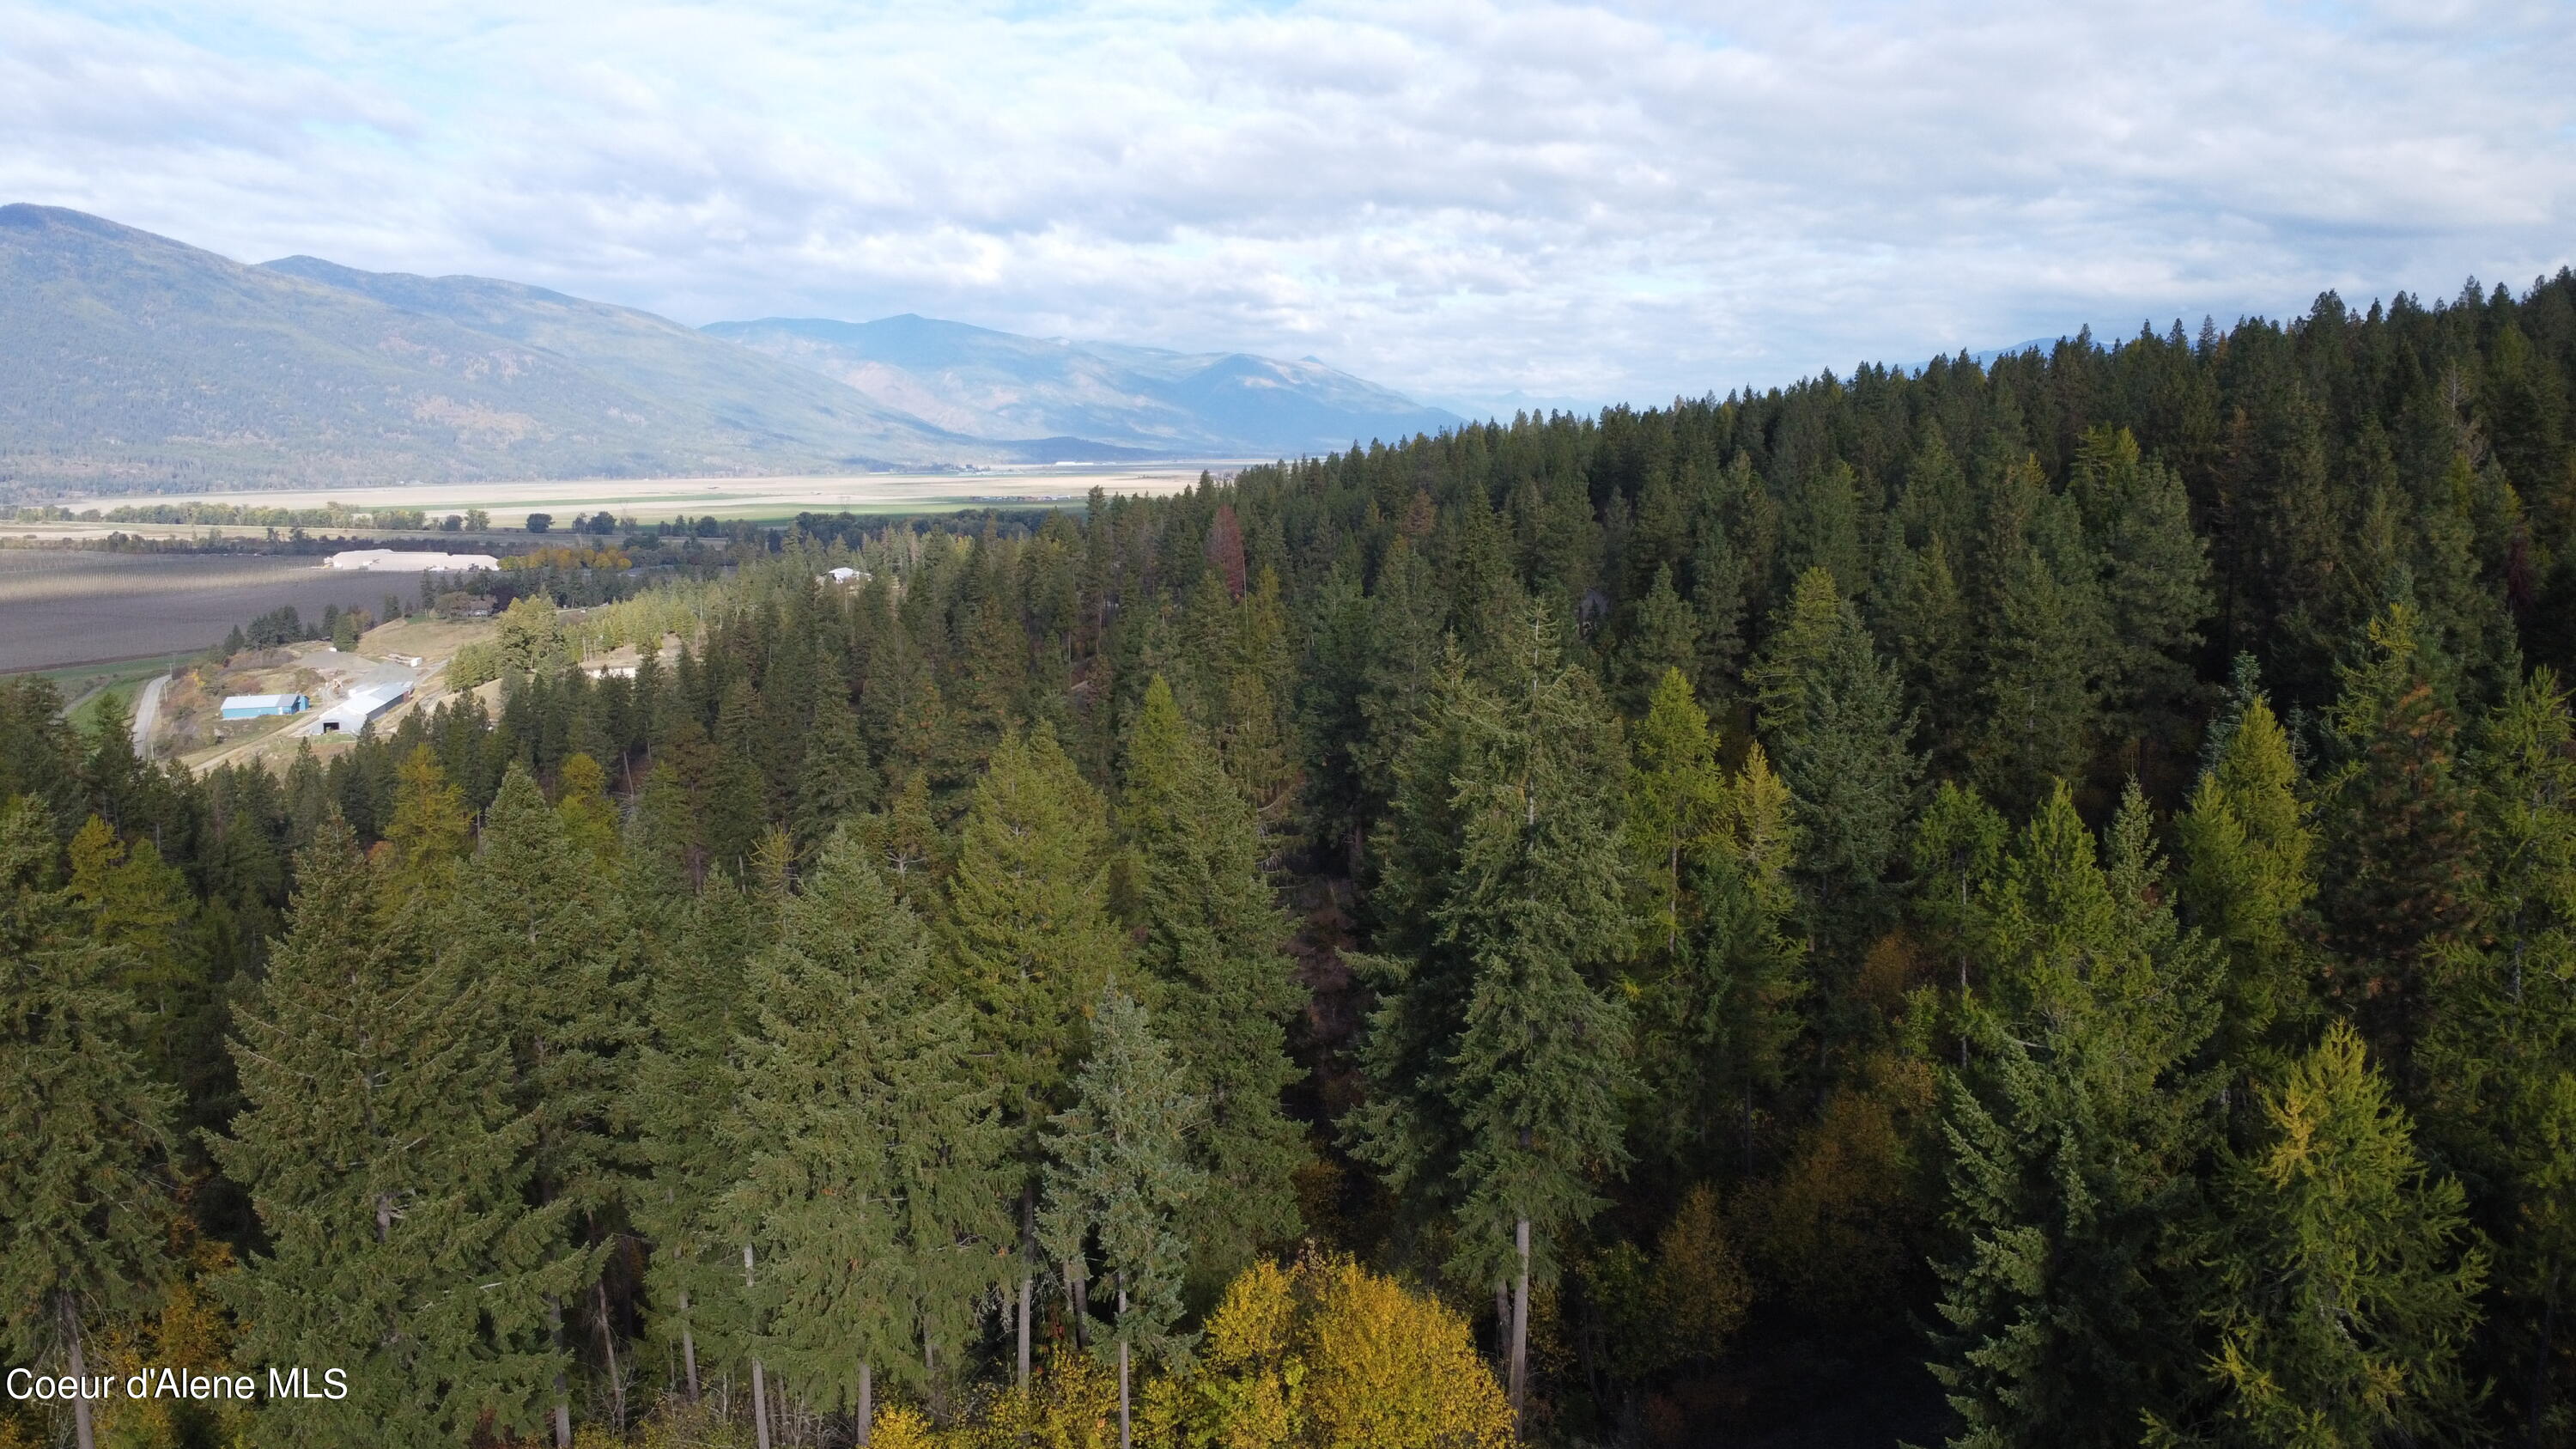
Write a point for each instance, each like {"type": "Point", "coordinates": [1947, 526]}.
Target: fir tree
{"type": "Point", "coordinates": [2499, 1056]}
{"type": "Point", "coordinates": [834, 781]}
{"type": "Point", "coordinates": [692, 1007]}
{"type": "Point", "coordinates": [1662, 635]}
{"type": "Point", "coordinates": [390, 1171]}
{"type": "Point", "coordinates": [1119, 1174]}
{"type": "Point", "coordinates": [1027, 938]}
{"type": "Point", "coordinates": [2044, 658]}
{"type": "Point", "coordinates": [870, 1157]}
{"type": "Point", "coordinates": [84, 1127]}
{"type": "Point", "coordinates": [1836, 718]}
{"type": "Point", "coordinates": [1213, 936]}
{"type": "Point", "coordinates": [2153, 576]}
{"type": "Point", "coordinates": [532, 917]}
{"type": "Point", "coordinates": [2396, 873]}
{"type": "Point", "coordinates": [1534, 909]}
{"type": "Point", "coordinates": [2073, 1136]}
{"type": "Point", "coordinates": [2248, 878]}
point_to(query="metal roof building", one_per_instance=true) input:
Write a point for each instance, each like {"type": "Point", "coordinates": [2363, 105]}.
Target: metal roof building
{"type": "Point", "coordinates": [253, 706]}
{"type": "Point", "coordinates": [353, 714]}
{"type": "Point", "coordinates": [409, 561]}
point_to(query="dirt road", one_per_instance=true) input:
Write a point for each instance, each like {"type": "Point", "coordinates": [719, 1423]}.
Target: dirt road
{"type": "Point", "coordinates": [147, 715]}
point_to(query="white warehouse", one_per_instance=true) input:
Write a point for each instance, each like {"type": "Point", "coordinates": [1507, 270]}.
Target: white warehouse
{"type": "Point", "coordinates": [352, 715]}
{"type": "Point", "coordinates": [408, 561]}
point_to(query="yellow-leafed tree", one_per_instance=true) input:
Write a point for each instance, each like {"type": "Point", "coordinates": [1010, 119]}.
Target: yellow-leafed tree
{"type": "Point", "coordinates": [1328, 1353]}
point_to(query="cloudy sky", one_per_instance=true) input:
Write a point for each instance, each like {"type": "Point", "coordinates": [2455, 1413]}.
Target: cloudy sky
{"type": "Point", "coordinates": [1471, 201]}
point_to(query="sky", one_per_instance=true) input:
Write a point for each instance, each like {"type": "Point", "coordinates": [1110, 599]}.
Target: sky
{"type": "Point", "coordinates": [1478, 203]}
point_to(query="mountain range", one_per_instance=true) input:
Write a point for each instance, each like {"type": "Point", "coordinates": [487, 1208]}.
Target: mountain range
{"type": "Point", "coordinates": [132, 361]}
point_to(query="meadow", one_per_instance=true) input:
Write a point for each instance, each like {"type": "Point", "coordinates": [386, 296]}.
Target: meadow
{"type": "Point", "coordinates": [763, 499]}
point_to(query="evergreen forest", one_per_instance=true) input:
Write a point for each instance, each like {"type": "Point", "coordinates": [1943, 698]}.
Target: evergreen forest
{"type": "Point", "coordinates": [2022, 904]}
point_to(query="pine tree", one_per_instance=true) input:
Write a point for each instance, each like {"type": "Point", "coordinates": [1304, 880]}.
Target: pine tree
{"type": "Point", "coordinates": [835, 781]}
{"type": "Point", "coordinates": [1027, 939]}
{"type": "Point", "coordinates": [1534, 909]}
{"type": "Point", "coordinates": [1119, 1173]}
{"type": "Point", "coordinates": [693, 1008]}
{"type": "Point", "coordinates": [1836, 719]}
{"type": "Point", "coordinates": [871, 1158]}
{"type": "Point", "coordinates": [2397, 856]}
{"type": "Point", "coordinates": [2248, 878]}
{"type": "Point", "coordinates": [2499, 1056]}
{"type": "Point", "coordinates": [2045, 654]}
{"type": "Point", "coordinates": [390, 1171]}
{"type": "Point", "coordinates": [533, 917]}
{"type": "Point", "coordinates": [2073, 1135]}
{"type": "Point", "coordinates": [2153, 576]}
{"type": "Point", "coordinates": [1213, 938]}
{"type": "Point", "coordinates": [84, 1127]}
{"type": "Point", "coordinates": [2342, 1280]}
{"type": "Point", "coordinates": [1662, 634]}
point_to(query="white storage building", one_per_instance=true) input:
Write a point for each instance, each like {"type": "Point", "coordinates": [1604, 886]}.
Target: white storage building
{"type": "Point", "coordinates": [408, 561]}
{"type": "Point", "coordinates": [352, 715]}
{"type": "Point", "coordinates": [253, 706]}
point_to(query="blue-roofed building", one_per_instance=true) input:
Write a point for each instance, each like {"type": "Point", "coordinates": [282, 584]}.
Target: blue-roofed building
{"type": "Point", "coordinates": [253, 706]}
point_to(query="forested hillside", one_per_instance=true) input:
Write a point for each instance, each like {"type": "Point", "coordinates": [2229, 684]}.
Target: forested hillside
{"type": "Point", "coordinates": [2030, 905]}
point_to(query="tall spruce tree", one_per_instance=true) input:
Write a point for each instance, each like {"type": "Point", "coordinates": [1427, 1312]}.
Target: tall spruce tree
{"type": "Point", "coordinates": [1213, 938]}
{"type": "Point", "coordinates": [534, 917]}
{"type": "Point", "coordinates": [2499, 1056]}
{"type": "Point", "coordinates": [2074, 1135]}
{"type": "Point", "coordinates": [84, 1126]}
{"type": "Point", "coordinates": [1119, 1175]}
{"type": "Point", "coordinates": [1027, 941]}
{"type": "Point", "coordinates": [871, 1157]}
{"type": "Point", "coordinates": [692, 1009]}
{"type": "Point", "coordinates": [1528, 918]}
{"type": "Point", "coordinates": [2398, 855]}
{"type": "Point", "coordinates": [2248, 878]}
{"type": "Point", "coordinates": [1835, 716]}
{"type": "Point", "coordinates": [390, 1169]}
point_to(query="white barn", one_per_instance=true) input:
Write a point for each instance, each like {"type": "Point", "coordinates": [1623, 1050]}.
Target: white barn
{"type": "Point", "coordinates": [352, 715]}
{"type": "Point", "coordinates": [408, 561]}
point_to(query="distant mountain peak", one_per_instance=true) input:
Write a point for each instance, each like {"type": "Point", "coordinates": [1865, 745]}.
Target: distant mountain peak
{"type": "Point", "coordinates": [997, 384]}
{"type": "Point", "coordinates": [145, 362]}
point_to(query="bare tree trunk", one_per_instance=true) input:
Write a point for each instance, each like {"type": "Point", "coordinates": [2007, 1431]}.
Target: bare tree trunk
{"type": "Point", "coordinates": [1520, 1325]}
{"type": "Point", "coordinates": [81, 1429]}
{"type": "Point", "coordinates": [2540, 1370]}
{"type": "Point", "coordinates": [1028, 1278]}
{"type": "Point", "coordinates": [688, 1346]}
{"type": "Point", "coordinates": [759, 1381]}
{"type": "Point", "coordinates": [563, 1402]}
{"type": "Point", "coordinates": [608, 1346]}
{"type": "Point", "coordinates": [1080, 1292]}
{"type": "Point", "coordinates": [1125, 1438]}
{"type": "Point", "coordinates": [867, 1402]}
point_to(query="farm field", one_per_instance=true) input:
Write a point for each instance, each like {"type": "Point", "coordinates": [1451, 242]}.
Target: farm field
{"type": "Point", "coordinates": [63, 607]}
{"type": "Point", "coordinates": [651, 499]}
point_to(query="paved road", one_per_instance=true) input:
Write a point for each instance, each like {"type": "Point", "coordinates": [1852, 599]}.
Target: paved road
{"type": "Point", "coordinates": [147, 715]}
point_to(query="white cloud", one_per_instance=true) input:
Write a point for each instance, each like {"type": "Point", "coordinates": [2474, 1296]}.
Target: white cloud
{"type": "Point", "coordinates": [1458, 197]}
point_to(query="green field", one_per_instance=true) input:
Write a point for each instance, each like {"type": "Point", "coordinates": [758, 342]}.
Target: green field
{"type": "Point", "coordinates": [86, 688]}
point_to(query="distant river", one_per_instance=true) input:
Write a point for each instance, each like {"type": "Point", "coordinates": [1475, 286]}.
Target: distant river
{"type": "Point", "coordinates": [64, 607]}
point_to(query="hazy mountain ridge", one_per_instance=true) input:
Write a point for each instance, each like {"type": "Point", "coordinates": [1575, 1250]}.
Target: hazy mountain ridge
{"type": "Point", "coordinates": [991, 384]}
{"type": "Point", "coordinates": [138, 361]}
